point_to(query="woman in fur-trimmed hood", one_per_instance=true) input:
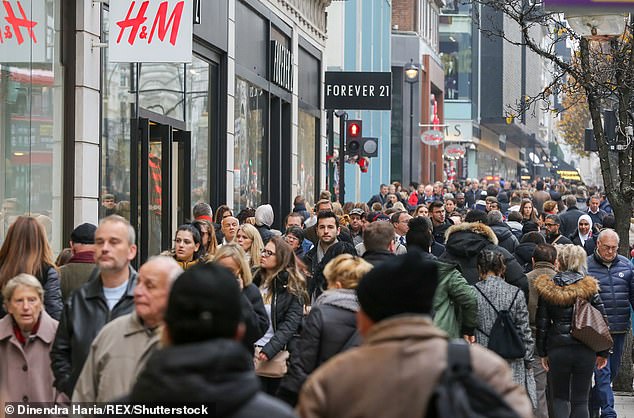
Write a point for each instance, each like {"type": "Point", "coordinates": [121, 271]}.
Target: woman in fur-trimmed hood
{"type": "Point", "coordinates": [463, 244]}
{"type": "Point", "coordinates": [571, 363]}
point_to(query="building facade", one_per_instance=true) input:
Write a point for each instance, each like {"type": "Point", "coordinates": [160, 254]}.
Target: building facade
{"type": "Point", "coordinates": [242, 124]}
{"type": "Point", "coordinates": [415, 42]}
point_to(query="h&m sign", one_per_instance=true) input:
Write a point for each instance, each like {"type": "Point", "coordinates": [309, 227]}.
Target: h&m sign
{"type": "Point", "coordinates": [26, 32]}
{"type": "Point", "coordinates": [151, 31]}
{"type": "Point", "coordinates": [282, 66]}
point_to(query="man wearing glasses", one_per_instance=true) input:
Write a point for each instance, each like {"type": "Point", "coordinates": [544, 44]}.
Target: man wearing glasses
{"type": "Point", "coordinates": [616, 279]}
{"type": "Point", "coordinates": [551, 227]}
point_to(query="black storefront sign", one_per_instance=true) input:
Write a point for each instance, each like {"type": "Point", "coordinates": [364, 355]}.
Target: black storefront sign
{"type": "Point", "coordinates": [282, 59]}
{"type": "Point", "coordinates": [358, 90]}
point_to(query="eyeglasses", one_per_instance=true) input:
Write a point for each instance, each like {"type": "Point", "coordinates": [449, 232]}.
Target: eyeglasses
{"type": "Point", "coordinates": [267, 253]}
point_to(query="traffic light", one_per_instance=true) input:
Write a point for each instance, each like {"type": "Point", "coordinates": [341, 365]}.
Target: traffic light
{"type": "Point", "coordinates": [370, 147]}
{"type": "Point", "coordinates": [353, 138]}
{"type": "Point", "coordinates": [364, 164]}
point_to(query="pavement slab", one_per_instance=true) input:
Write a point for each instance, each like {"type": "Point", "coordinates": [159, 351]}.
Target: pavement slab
{"type": "Point", "coordinates": [624, 405]}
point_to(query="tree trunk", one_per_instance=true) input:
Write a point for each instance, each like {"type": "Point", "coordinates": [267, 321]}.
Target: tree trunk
{"type": "Point", "coordinates": [623, 382]}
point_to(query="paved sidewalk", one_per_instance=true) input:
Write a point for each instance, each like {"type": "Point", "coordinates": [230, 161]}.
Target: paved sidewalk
{"type": "Point", "coordinates": [624, 406]}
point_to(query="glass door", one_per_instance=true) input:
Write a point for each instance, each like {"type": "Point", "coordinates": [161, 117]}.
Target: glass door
{"type": "Point", "coordinates": [162, 182]}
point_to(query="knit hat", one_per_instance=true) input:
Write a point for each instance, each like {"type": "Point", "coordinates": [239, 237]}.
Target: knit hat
{"type": "Point", "coordinates": [204, 304]}
{"type": "Point", "coordinates": [264, 215]}
{"type": "Point", "coordinates": [404, 284]}
{"type": "Point", "coordinates": [84, 234]}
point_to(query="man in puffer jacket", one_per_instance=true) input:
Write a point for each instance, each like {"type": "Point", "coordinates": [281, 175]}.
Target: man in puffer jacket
{"type": "Point", "coordinates": [616, 279]}
{"type": "Point", "coordinates": [464, 243]}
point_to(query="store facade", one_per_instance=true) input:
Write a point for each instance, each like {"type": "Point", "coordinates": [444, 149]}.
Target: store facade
{"type": "Point", "coordinates": [83, 137]}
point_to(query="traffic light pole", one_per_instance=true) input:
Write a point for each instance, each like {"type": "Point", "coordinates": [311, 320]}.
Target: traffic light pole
{"type": "Point", "coordinates": [342, 159]}
{"type": "Point", "coordinates": [330, 116]}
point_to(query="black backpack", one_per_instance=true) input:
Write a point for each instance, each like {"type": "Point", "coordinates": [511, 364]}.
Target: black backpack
{"type": "Point", "coordinates": [461, 394]}
{"type": "Point", "coordinates": [504, 338]}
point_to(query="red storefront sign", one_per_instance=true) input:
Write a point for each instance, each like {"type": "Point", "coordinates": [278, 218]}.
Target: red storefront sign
{"type": "Point", "coordinates": [23, 26]}
{"type": "Point", "coordinates": [151, 31]}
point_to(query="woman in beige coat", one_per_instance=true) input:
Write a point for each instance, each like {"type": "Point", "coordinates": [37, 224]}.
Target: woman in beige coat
{"type": "Point", "coordinates": [26, 336]}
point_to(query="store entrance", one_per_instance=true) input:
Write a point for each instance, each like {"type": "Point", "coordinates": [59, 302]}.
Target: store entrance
{"type": "Point", "coordinates": [163, 167]}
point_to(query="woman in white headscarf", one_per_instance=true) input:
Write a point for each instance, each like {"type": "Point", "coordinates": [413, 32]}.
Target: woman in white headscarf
{"type": "Point", "coordinates": [583, 235]}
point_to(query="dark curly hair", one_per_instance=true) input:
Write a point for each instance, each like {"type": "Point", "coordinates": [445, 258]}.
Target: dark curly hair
{"type": "Point", "coordinates": [491, 261]}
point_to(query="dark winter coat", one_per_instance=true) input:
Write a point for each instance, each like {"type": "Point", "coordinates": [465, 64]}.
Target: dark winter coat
{"type": "Point", "coordinates": [524, 255]}
{"type": "Point", "coordinates": [53, 303]}
{"type": "Point", "coordinates": [218, 373]}
{"type": "Point", "coordinates": [85, 313]}
{"type": "Point", "coordinates": [286, 313]}
{"type": "Point", "coordinates": [506, 239]}
{"type": "Point", "coordinates": [590, 245]}
{"type": "Point", "coordinates": [265, 233]}
{"type": "Point", "coordinates": [377, 257]}
{"type": "Point", "coordinates": [464, 243]}
{"type": "Point", "coordinates": [437, 249]}
{"type": "Point", "coordinates": [617, 289]}
{"type": "Point", "coordinates": [317, 283]}
{"type": "Point", "coordinates": [559, 239]}
{"type": "Point", "coordinates": [440, 230]}
{"type": "Point", "coordinates": [555, 308]}
{"type": "Point", "coordinates": [329, 329]}
{"type": "Point", "coordinates": [569, 220]}
{"type": "Point", "coordinates": [254, 316]}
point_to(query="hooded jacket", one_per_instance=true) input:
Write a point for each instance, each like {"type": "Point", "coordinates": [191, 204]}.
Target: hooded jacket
{"type": "Point", "coordinates": [556, 305]}
{"type": "Point", "coordinates": [617, 289]}
{"type": "Point", "coordinates": [506, 239]}
{"type": "Point", "coordinates": [569, 220]}
{"type": "Point", "coordinates": [464, 243]}
{"type": "Point", "coordinates": [218, 373]}
{"type": "Point", "coordinates": [329, 329]}
{"type": "Point", "coordinates": [524, 255]}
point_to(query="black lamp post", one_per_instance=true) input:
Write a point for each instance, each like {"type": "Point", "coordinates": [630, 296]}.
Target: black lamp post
{"type": "Point", "coordinates": [411, 76]}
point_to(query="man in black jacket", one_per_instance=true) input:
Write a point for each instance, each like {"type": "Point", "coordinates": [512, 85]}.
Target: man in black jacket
{"type": "Point", "coordinates": [378, 240]}
{"type": "Point", "coordinates": [506, 239]}
{"type": "Point", "coordinates": [203, 362]}
{"type": "Point", "coordinates": [570, 217]}
{"type": "Point", "coordinates": [107, 295]}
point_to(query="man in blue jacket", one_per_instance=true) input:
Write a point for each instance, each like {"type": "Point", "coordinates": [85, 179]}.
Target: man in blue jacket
{"type": "Point", "coordinates": [616, 279]}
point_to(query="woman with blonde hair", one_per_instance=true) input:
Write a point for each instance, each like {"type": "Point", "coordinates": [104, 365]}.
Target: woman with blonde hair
{"type": "Point", "coordinates": [283, 290]}
{"type": "Point", "coordinates": [26, 250]}
{"type": "Point", "coordinates": [249, 238]}
{"type": "Point", "coordinates": [255, 318]}
{"type": "Point", "coordinates": [330, 327]}
{"type": "Point", "coordinates": [26, 337]}
{"type": "Point", "coordinates": [570, 362]}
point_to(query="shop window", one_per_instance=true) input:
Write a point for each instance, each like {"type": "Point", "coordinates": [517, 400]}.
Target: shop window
{"type": "Point", "coordinates": [117, 101]}
{"type": "Point", "coordinates": [31, 123]}
{"type": "Point", "coordinates": [455, 52]}
{"type": "Point", "coordinates": [161, 89]}
{"type": "Point", "coordinates": [306, 155]}
{"type": "Point", "coordinates": [198, 123]}
{"type": "Point", "coordinates": [251, 112]}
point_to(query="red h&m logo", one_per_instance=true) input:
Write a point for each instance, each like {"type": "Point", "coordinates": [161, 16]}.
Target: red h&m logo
{"type": "Point", "coordinates": [14, 28]}
{"type": "Point", "coordinates": [161, 23]}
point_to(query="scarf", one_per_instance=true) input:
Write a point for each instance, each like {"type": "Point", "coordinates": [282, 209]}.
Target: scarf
{"type": "Point", "coordinates": [84, 257]}
{"type": "Point", "coordinates": [18, 332]}
{"type": "Point", "coordinates": [583, 238]}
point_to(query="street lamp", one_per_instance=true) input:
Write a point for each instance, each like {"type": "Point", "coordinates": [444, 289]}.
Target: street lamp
{"type": "Point", "coordinates": [411, 76]}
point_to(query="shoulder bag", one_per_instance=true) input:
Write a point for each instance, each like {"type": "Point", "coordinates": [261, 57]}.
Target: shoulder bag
{"type": "Point", "coordinates": [590, 327]}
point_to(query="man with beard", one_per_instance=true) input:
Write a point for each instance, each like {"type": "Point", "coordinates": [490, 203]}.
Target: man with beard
{"type": "Point", "coordinates": [553, 236]}
{"type": "Point", "coordinates": [438, 218]}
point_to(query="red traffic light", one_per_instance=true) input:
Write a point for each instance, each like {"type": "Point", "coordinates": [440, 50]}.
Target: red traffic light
{"type": "Point", "coordinates": [364, 164]}
{"type": "Point", "coordinates": [354, 129]}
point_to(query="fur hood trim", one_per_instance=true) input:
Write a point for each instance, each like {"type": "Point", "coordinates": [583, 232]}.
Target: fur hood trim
{"type": "Point", "coordinates": [475, 227]}
{"type": "Point", "coordinates": [565, 295]}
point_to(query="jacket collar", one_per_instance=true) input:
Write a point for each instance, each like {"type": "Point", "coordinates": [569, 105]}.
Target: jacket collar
{"type": "Point", "coordinates": [544, 265]}
{"type": "Point", "coordinates": [134, 325]}
{"type": "Point", "coordinates": [565, 295]}
{"type": "Point", "coordinates": [45, 332]}
{"type": "Point", "coordinates": [473, 227]}
{"type": "Point", "coordinates": [94, 287]}
{"type": "Point", "coordinates": [403, 327]}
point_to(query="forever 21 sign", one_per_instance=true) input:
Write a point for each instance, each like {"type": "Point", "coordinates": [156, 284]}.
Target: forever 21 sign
{"type": "Point", "coordinates": [358, 90]}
